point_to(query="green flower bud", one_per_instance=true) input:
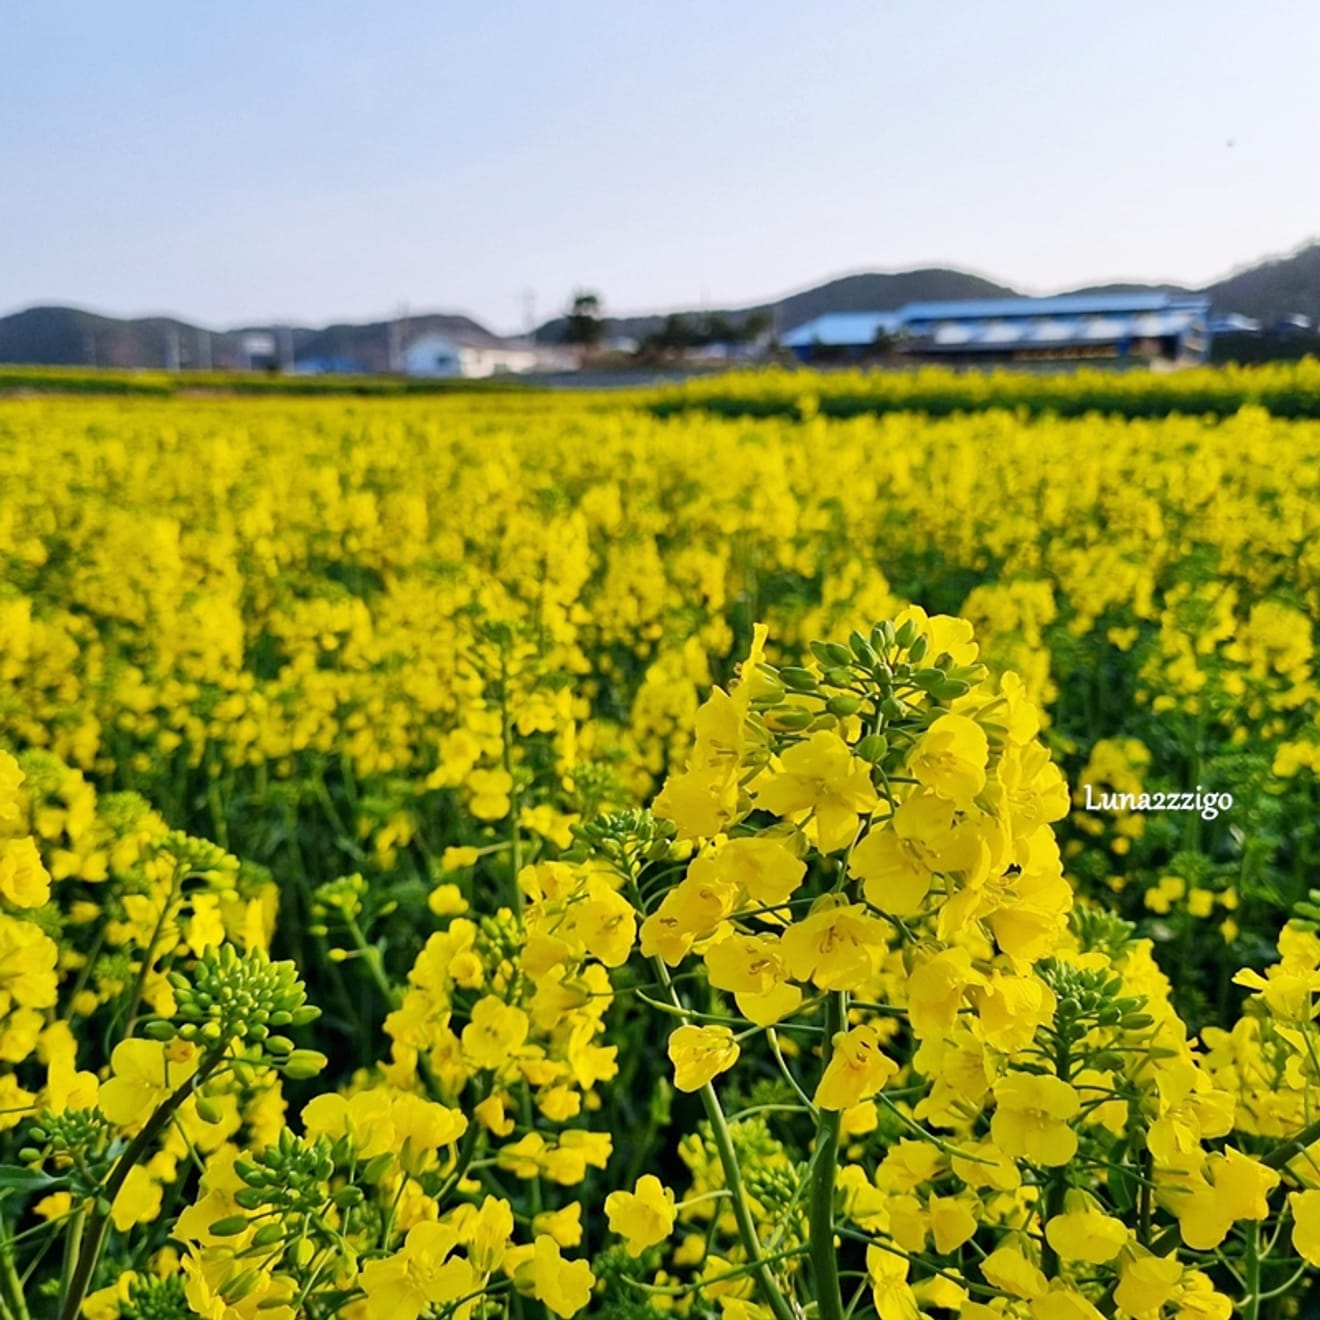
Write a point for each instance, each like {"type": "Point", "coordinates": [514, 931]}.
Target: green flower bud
{"type": "Point", "coordinates": [159, 1030]}
{"type": "Point", "coordinates": [304, 1064]}
{"type": "Point", "coordinates": [872, 748]}
{"type": "Point", "coordinates": [375, 1169]}
{"type": "Point", "coordinates": [798, 680]}
{"type": "Point", "coordinates": [906, 635]}
{"type": "Point", "coordinates": [949, 689]}
{"type": "Point", "coordinates": [230, 1226]}
{"type": "Point", "coordinates": [208, 1109]}
{"type": "Point", "coordinates": [279, 1045]}
{"type": "Point", "coordinates": [843, 704]}
{"type": "Point", "coordinates": [267, 1235]}
{"type": "Point", "coordinates": [917, 650]}
{"type": "Point", "coordinates": [861, 648]}
{"type": "Point", "coordinates": [785, 718]}
{"type": "Point", "coordinates": [240, 1285]}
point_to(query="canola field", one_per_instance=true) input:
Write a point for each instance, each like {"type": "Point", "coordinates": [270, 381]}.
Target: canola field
{"type": "Point", "coordinates": [531, 854]}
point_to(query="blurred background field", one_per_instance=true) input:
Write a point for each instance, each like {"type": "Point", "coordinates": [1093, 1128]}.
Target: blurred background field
{"type": "Point", "coordinates": [357, 635]}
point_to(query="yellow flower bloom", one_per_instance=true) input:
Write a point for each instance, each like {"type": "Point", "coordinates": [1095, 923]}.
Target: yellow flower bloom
{"type": "Point", "coordinates": [138, 1200]}
{"type": "Point", "coordinates": [823, 777]}
{"type": "Point", "coordinates": [1010, 1271]}
{"type": "Point", "coordinates": [700, 1053]}
{"type": "Point", "coordinates": [565, 1225]}
{"type": "Point", "coordinates": [950, 759]}
{"type": "Point", "coordinates": [145, 1073]}
{"type": "Point", "coordinates": [495, 1032]}
{"type": "Point", "coordinates": [1087, 1235]}
{"type": "Point", "coordinates": [898, 861]}
{"type": "Point", "coordinates": [1146, 1282]}
{"type": "Point", "coordinates": [422, 1274]}
{"type": "Point", "coordinates": [1031, 1118]}
{"type": "Point", "coordinates": [857, 1069]}
{"type": "Point", "coordinates": [1305, 1207]}
{"type": "Point", "coordinates": [643, 1216]}
{"type": "Point", "coordinates": [24, 881]}
{"type": "Point", "coordinates": [563, 1285]}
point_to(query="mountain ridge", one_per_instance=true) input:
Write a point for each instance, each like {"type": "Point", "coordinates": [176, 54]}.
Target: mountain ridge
{"type": "Point", "coordinates": [1268, 290]}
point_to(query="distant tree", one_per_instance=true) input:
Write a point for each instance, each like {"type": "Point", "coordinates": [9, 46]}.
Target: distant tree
{"type": "Point", "coordinates": [585, 326]}
{"type": "Point", "coordinates": [756, 325]}
{"type": "Point", "coordinates": [720, 330]}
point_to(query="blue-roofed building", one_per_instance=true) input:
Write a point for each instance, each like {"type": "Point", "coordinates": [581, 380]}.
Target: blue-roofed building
{"type": "Point", "coordinates": [1148, 326]}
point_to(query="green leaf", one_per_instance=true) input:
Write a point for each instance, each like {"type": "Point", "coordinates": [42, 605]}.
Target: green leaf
{"type": "Point", "coordinates": [17, 1178]}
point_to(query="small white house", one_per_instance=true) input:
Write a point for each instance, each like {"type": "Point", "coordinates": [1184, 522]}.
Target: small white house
{"type": "Point", "coordinates": [463, 354]}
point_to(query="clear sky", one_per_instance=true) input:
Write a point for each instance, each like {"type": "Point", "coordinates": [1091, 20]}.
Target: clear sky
{"type": "Point", "coordinates": [243, 162]}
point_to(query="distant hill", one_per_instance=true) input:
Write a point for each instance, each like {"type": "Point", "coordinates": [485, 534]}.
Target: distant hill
{"type": "Point", "coordinates": [1268, 290]}
{"type": "Point", "coordinates": [868, 292]}
{"type": "Point", "coordinates": [1275, 288]}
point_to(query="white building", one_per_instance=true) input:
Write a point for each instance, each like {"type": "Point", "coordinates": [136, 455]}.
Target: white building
{"type": "Point", "coordinates": [472, 352]}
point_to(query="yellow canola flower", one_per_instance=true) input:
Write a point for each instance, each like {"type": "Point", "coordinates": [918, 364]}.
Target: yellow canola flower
{"type": "Point", "coordinates": [762, 868]}
{"type": "Point", "coordinates": [1305, 1207]}
{"type": "Point", "coordinates": [1007, 1269]}
{"type": "Point", "coordinates": [644, 1216]}
{"type": "Point", "coordinates": [28, 959]}
{"type": "Point", "coordinates": [822, 777]}
{"type": "Point", "coordinates": [890, 1290]}
{"type": "Point", "coordinates": [24, 880]}
{"type": "Point", "coordinates": [564, 1225]}
{"type": "Point", "coordinates": [495, 1032]}
{"type": "Point", "coordinates": [563, 1285]}
{"type": "Point", "coordinates": [138, 1200]}
{"type": "Point", "coordinates": [1063, 1303]}
{"type": "Point", "coordinates": [837, 946]}
{"type": "Point", "coordinates": [422, 1274]}
{"type": "Point", "coordinates": [1031, 1118]}
{"type": "Point", "coordinates": [950, 759]}
{"type": "Point", "coordinates": [144, 1073]}
{"type": "Point", "coordinates": [898, 861]}
{"type": "Point", "coordinates": [936, 990]}
{"type": "Point", "coordinates": [752, 968]}
{"type": "Point", "coordinates": [858, 1069]}
{"type": "Point", "coordinates": [701, 1053]}
{"type": "Point", "coordinates": [1229, 1187]}
{"type": "Point", "coordinates": [1086, 1234]}
{"type": "Point", "coordinates": [1146, 1282]}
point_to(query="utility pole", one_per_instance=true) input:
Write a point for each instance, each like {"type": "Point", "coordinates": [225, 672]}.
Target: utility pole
{"type": "Point", "coordinates": [203, 349]}
{"type": "Point", "coordinates": [287, 335]}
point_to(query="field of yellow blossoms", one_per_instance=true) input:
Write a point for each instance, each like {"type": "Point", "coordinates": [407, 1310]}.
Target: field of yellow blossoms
{"type": "Point", "coordinates": [634, 855]}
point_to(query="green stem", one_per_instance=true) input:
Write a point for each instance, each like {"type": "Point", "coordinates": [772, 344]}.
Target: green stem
{"type": "Point", "coordinates": [149, 953]}
{"type": "Point", "coordinates": [1057, 1186]}
{"type": "Point", "coordinates": [1282, 1153]}
{"type": "Point", "coordinates": [10, 1274]}
{"type": "Point", "coordinates": [91, 1241]}
{"type": "Point", "coordinates": [742, 1212]}
{"type": "Point", "coordinates": [1251, 1302]}
{"type": "Point", "coordinates": [820, 1208]}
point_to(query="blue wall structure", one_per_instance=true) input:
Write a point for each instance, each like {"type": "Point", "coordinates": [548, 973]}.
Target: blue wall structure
{"type": "Point", "coordinates": [1175, 327]}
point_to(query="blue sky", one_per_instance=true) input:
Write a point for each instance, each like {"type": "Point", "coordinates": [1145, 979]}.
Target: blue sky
{"type": "Point", "coordinates": [247, 162]}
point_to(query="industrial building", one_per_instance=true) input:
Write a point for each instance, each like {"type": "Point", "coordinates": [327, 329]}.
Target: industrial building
{"type": "Point", "coordinates": [1152, 327]}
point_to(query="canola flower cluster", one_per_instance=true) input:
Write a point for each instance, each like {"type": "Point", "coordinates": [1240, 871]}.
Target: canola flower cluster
{"type": "Point", "coordinates": [642, 994]}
